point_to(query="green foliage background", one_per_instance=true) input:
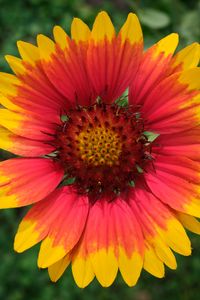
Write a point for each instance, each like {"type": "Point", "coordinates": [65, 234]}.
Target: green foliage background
{"type": "Point", "coordinates": [20, 278]}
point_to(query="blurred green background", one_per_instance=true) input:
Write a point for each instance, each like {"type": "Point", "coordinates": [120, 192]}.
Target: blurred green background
{"type": "Point", "coordinates": [20, 278]}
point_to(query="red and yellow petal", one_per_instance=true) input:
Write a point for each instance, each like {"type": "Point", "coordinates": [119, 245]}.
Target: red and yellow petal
{"type": "Point", "coordinates": [173, 105]}
{"type": "Point", "coordinates": [64, 63]}
{"type": "Point", "coordinates": [23, 146]}
{"type": "Point", "coordinates": [161, 232]}
{"type": "Point", "coordinates": [176, 183]}
{"type": "Point", "coordinates": [41, 223]}
{"type": "Point", "coordinates": [100, 246]}
{"type": "Point", "coordinates": [82, 269]}
{"type": "Point", "coordinates": [36, 224]}
{"type": "Point", "coordinates": [113, 60]}
{"type": "Point", "coordinates": [112, 239]}
{"type": "Point", "coordinates": [27, 126]}
{"type": "Point", "coordinates": [187, 58]}
{"type": "Point", "coordinates": [25, 107]}
{"type": "Point", "coordinates": [27, 180]}
{"type": "Point", "coordinates": [34, 92]}
{"type": "Point", "coordinates": [152, 69]}
{"type": "Point", "coordinates": [80, 32]}
{"type": "Point", "coordinates": [64, 233]}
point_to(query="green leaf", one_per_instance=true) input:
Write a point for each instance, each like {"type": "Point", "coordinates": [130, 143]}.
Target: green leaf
{"type": "Point", "coordinates": [189, 26]}
{"type": "Point", "coordinates": [132, 183]}
{"type": "Point", "coordinates": [151, 136]}
{"type": "Point", "coordinates": [64, 118]}
{"type": "Point", "coordinates": [139, 169]}
{"type": "Point", "coordinates": [68, 181]}
{"type": "Point", "coordinates": [154, 18]}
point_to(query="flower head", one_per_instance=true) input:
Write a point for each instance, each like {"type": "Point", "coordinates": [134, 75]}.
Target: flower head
{"type": "Point", "coordinates": [109, 139]}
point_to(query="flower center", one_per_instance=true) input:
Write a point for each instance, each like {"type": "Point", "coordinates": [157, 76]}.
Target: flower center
{"type": "Point", "coordinates": [103, 148]}
{"type": "Point", "coordinates": [99, 146]}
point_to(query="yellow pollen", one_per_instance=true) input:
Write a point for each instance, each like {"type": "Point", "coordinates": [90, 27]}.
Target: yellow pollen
{"type": "Point", "coordinates": [99, 146]}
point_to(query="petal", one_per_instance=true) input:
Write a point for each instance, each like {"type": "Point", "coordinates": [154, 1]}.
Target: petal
{"type": "Point", "coordinates": [34, 92]}
{"type": "Point", "coordinates": [80, 32]}
{"type": "Point", "coordinates": [102, 256]}
{"type": "Point", "coordinates": [152, 263]}
{"type": "Point", "coordinates": [118, 242]}
{"type": "Point", "coordinates": [160, 227]}
{"type": "Point", "coordinates": [36, 224]}
{"type": "Point", "coordinates": [176, 237]}
{"type": "Point", "coordinates": [28, 52]}
{"type": "Point", "coordinates": [9, 85]}
{"type": "Point", "coordinates": [26, 104]}
{"type": "Point", "coordinates": [56, 270]}
{"type": "Point", "coordinates": [64, 233]}
{"type": "Point", "coordinates": [102, 28]}
{"type": "Point", "coordinates": [102, 261]}
{"type": "Point", "coordinates": [60, 36]}
{"type": "Point", "coordinates": [186, 58]}
{"type": "Point", "coordinates": [152, 68]}
{"type": "Point", "coordinates": [185, 144]}
{"type": "Point", "coordinates": [173, 105]}
{"type": "Point", "coordinates": [26, 126]}
{"type": "Point", "coordinates": [16, 64]}
{"type": "Point", "coordinates": [163, 252]}
{"type": "Point", "coordinates": [112, 61]}
{"type": "Point", "coordinates": [21, 176]}
{"type": "Point", "coordinates": [130, 266]}
{"type": "Point", "coordinates": [176, 183]}
{"type": "Point", "coordinates": [126, 33]}
{"type": "Point", "coordinates": [81, 265]}
{"type": "Point", "coordinates": [65, 66]}
{"type": "Point", "coordinates": [46, 47]}
{"type": "Point", "coordinates": [22, 146]}
{"type": "Point", "coordinates": [189, 222]}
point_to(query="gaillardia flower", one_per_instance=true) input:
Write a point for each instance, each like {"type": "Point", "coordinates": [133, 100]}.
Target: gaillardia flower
{"type": "Point", "coordinates": [109, 140]}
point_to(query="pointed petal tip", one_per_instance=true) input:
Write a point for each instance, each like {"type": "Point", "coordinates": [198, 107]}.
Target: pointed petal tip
{"type": "Point", "coordinates": [46, 47]}
{"type": "Point", "coordinates": [8, 58]}
{"type": "Point", "coordinates": [56, 270]}
{"type": "Point", "coordinates": [60, 37]}
{"type": "Point", "coordinates": [102, 28]}
{"type": "Point", "coordinates": [40, 38]}
{"type": "Point", "coordinates": [20, 43]}
{"type": "Point", "coordinates": [54, 277]}
{"type": "Point", "coordinates": [41, 263]}
{"type": "Point", "coordinates": [103, 13]}
{"type": "Point", "coordinates": [102, 17]}
{"type": "Point", "coordinates": [79, 30]}
{"type": "Point", "coordinates": [174, 37]}
{"type": "Point", "coordinates": [26, 46]}
{"type": "Point", "coordinates": [56, 28]}
{"type": "Point", "coordinates": [131, 30]}
{"type": "Point", "coordinates": [17, 247]}
{"type": "Point", "coordinates": [49, 254]}
{"type": "Point", "coordinates": [78, 22]}
{"type": "Point", "coordinates": [132, 15]}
